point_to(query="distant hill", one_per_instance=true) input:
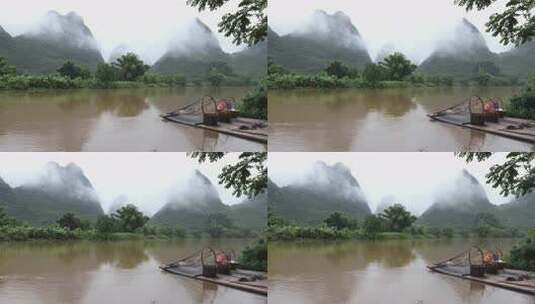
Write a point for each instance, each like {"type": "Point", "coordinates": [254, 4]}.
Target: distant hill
{"type": "Point", "coordinates": [458, 56]}
{"type": "Point", "coordinates": [191, 209]}
{"type": "Point", "coordinates": [518, 213]}
{"type": "Point", "coordinates": [519, 61]}
{"type": "Point", "coordinates": [251, 62]}
{"type": "Point", "coordinates": [58, 39]}
{"type": "Point", "coordinates": [60, 190]}
{"type": "Point", "coordinates": [193, 57]}
{"type": "Point", "coordinates": [326, 190]}
{"type": "Point", "coordinates": [326, 39]}
{"type": "Point", "coordinates": [251, 213]}
{"type": "Point", "coordinates": [459, 207]}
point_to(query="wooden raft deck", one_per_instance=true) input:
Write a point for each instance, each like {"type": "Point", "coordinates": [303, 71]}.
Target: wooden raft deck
{"type": "Point", "coordinates": [252, 131]}
{"type": "Point", "coordinates": [258, 286]}
{"type": "Point", "coordinates": [513, 128]}
{"type": "Point", "coordinates": [500, 280]}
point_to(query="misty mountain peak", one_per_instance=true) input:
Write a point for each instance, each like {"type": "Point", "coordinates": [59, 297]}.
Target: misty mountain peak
{"type": "Point", "coordinates": [465, 24]}
{"type": "Point", "coordinates": [468, 176]}
{"type": "Point", "coordinates": [335, 174]}
{"type": "Point", "coordinates": [69, 29]}
{"type": "Point", "coordinates": [4, 34]}
{"type": "Point", "coordinates": [198, 38]}
{"type": "Point", "coordinates": [467, 41]}
{"type": "Point", "coordinates": [3, 185]}
{"type": "Point", "coordinates": [272, 33]}
{"type": "Point", "coordinates": [198, 193]}
{"type": "Point", "coordinates": [69, 180]}
{"type": "Point", "coordinates": [336, 29]}
{"type": "Point", "coordinates": [464, 192]}
{"type": "Point", "coordinates": [202, 26]}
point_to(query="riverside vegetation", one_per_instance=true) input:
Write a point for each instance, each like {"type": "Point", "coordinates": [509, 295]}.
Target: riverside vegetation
{"type": "Point", "coordinates": [126, 223]}
{"type": "Point", "coordinates": [128, 71]}
{"type": "Point", "coordinates": [395, 71]}
{"type": "Point", "coordinates": [394, 222]}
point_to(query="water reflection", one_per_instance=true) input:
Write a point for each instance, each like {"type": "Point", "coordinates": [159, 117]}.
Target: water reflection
{"type": "Point", "coordinates": [104, 272]}
{"type": "Point", "coordinates": [374, 272]}
{"type": "Point", "coordinates": [108, 120]}
{"type": "Point", "coordinates": [376, 120]}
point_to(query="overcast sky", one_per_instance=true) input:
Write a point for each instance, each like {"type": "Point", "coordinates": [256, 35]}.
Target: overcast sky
{"type": "Point", "coordinates": [413, 178]}
{"type": "Point", "coordinates": [413, 26]}
{"type": "Point", "coordinates": [146, 178]}
{"type": "Point", "coordinates": [145, 26]}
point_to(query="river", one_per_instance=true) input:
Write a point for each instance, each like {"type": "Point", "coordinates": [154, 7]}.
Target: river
{"type": "Point", "coordinates": [108, 272]}
{"type": "Point", "coordinates": [377, 120]}
{"type": "Point", "coordinates": [376, 272]}
{"type": "Point", "coordinates": [110, 121]}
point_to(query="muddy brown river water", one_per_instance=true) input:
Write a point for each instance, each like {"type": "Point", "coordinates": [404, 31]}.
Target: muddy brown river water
{"type": "Point", "coordinates": [108, 272]}
{"type": "Point", "coordinates": [377, 120]}
{"type": "Point", "coordinates": [110, 121]}
{"type": "Point", "coordinates": [376, 272]}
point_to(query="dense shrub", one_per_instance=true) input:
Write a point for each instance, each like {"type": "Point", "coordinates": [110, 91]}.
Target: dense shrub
{"type": "Point", "coordinates": [523, 256]}
{"type": "Point", "coordinates": [255, 257]}
{"type": "Point", "coordinates": [254, 105]}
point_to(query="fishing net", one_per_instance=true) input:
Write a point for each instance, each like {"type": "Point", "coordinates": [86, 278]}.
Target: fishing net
{"type": "Point", "coordinates": [464, 262]}
{"type": "Point", "coordinates": [461, 113]}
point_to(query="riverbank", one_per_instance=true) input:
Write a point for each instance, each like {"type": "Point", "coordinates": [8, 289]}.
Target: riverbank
{"type": "Point", "coordinates": [293, 232]}
{"type": "Point", "coordinates": [322, 80]}
{"type": "Point", "coordinates": [57, 82]}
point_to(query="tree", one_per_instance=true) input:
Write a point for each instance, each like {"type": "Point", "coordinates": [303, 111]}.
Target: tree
{"type": "Point", "coordinates": [487, 219]}
{"type": "Point", "coordinates": [71, 70]}
{"type": "Point", "coordinates": [220, 219]}
{"type": "Point", "coordinates": [6, 68]}
{"type": "Point", "coordinates": [486, 67]}
{"type": "Point", "coordinates": [106, 224]}
{"type": "Point", "coordinates": [248, 24]}
{"type": "Point", "coordinates": [482, 80]}
{"type": "Point", "coordinates": [107, 73]}
{"type": "Point", "coordinates": [220, 67]}
{"type": "Point", "coordinates": [254, 105]}
{"type": "Point", "coordinates": [215, 230]}
{"type": "Point", "coordinates": [130, 218]}
{"type": "Point", "coordinates": [514, 24]}
{"type": "Point", "coordinates": [70, 221]}
{"type": "Point", "coordinates": [215, 78]}
{"type": "Point", "coordinates": [248, 176]}
{"type": "Point", "coordinates": [373, 73]}
{"type": "Point", "coordinates": [338, 221]}
{"type": "Point", "coordinates": [397, 218]}
{"type": "Point", "coordinates": [6, 220]}
{"type": "Point", "coordinates": [275, 220]}
{"type": "Point", "coordinates": [276, 69]}
{"type": "Point", "coordinates": [338, 70]}
{"type": "Point", "coordinates": [523, 256]}
{"type": "Point", "coordinates": [372, 226]}
{"type": "Point", "coordinates": [398, 67]}
{"type": "Point", "coordinates": [255, 257]}
{"type": "Point", "coordinates": [131, 67]}
{"type": "Point", "coordinates": [515, 176]}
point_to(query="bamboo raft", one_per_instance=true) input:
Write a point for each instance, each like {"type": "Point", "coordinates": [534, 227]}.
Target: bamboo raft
{"type": "Point", "coordinates": [222, 118]}
{"type": "Point", "coordinates": [493, 274]}
{"type": "Point", "coordinates": [230, 275]}
{"type": "Point", "coordinates": [467, 115]}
